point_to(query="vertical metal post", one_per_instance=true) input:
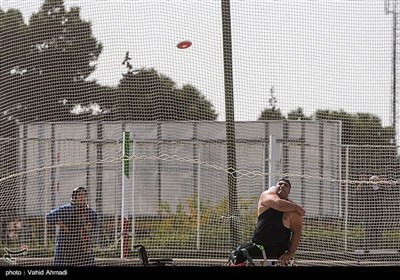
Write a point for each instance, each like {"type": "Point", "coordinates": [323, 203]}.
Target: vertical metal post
{"type": "Point", "coordinates": [393, 11]}
{"type": "Point", "coordinates": [230, 120]}
{"type": "Point", "coordinates": [346, 201]}
{"type": "Point", "coordinates": [272, 161]}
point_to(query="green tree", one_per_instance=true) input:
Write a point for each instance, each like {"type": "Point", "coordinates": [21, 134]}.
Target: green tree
{"type": "Point", "coordinates": [13, 51]}
{"type": "Point", "coordinates": [47, 62]}
{"type": "Point", "coordinates": [43, 69]}
{"type": "Point", "coordinates": [298, 114]}
{"type": "Point", "coordinates": [145, 95]}
{"type": "Point", "coordinates": [63, 55]}
{"type": "Point", "coordinates": [363, 132]}
{"type": "Point", "coordinates": [271, 113]}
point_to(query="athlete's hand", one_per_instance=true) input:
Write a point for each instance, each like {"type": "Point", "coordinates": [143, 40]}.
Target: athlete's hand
{"type": "Point", "coordinates": [284, 260]}
{"type": "Point", "coordinates": [301, 211]}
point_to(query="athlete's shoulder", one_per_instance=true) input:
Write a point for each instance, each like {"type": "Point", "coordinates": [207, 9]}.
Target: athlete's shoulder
{"type": "Point", "coordinates": [270, 190]}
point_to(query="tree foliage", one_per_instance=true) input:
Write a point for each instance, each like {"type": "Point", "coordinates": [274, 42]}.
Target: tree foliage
{"type": "Point", "coordinates": [298, 114]}
{"type": "Point", "coordinates": [273, 112]}
{"type": "Point", "coordinates": [371, 146]}
{"type": "Point", "coordinates": [145, 95]}
{"type": "Point", "coordinates": [46, 68]}
{"type": "Point", "coordinates": [55, 53]}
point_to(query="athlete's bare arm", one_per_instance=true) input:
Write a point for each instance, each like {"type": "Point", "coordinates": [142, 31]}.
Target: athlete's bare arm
{"type": "Point", "coordinates": [269, 199]}
{"type": "Point", "coordinates": [296, 225]}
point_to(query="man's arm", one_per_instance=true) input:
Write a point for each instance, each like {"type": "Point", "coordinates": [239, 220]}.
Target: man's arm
{"type": "Point", "coordinates": [296, 226]}
{"type": "Point", "coordinates": [53, 216]}
{"type": "Point", "coordinates": [91, 221]}
{"type": "Point", "coordinates": [272, 200]}
{"type": "Point", "coordinates": [95, 219]}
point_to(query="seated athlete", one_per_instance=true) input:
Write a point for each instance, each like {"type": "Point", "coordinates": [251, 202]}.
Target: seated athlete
{"type": "Point", "coordinates": [279, 225]}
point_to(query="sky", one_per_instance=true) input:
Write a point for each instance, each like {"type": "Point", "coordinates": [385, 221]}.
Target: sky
{"type": "Point", "coordinates": [327, 54]}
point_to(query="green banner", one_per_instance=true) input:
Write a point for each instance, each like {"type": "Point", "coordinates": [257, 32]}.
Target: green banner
{"type": "Point", "coordinates": [127, 146]}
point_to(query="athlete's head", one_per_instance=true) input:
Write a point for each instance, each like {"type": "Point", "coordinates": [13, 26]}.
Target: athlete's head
{"type": "Point", "coordinates": [283, 187]}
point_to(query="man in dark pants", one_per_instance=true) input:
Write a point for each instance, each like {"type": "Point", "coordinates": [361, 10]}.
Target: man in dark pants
{"type": "Point", "coordinates": [279, 225]}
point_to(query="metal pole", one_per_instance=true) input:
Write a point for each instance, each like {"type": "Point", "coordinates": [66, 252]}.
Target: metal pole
{"type": "Point", "coordinates": [272, 160]}
{"type": "Point", "coordinates": [230, 120]}
{"type": "Point", "coordinates": [198, 197]}
{"type": "Point", "coordinates": [393, 11]}
{"type": "Point", "coordinates": [133, 196]}
{"type": "Point", "coordinates": [124, 179]}
{"type": "Point", "coordinates": [346, 201]}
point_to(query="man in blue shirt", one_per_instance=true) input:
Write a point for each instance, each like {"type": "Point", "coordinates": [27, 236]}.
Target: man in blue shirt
{"type": "Point", "coordinates": [77, 228]}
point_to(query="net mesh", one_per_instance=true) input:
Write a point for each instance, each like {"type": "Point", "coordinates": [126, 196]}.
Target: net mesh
{"type": "Point", "coordinates": [305, 89]}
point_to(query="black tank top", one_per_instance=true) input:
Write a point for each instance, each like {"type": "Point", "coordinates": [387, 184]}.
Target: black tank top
{"type": "Point", "coordinates": [271, 233]}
